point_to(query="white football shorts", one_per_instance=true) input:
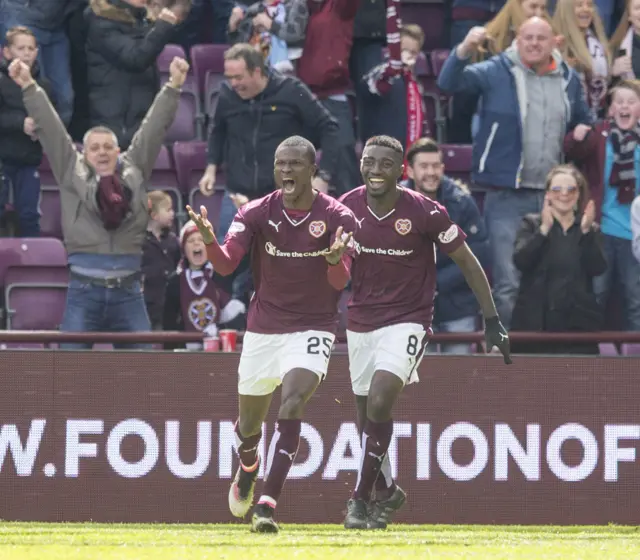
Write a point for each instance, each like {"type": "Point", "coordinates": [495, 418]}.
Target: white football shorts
{"type": "Point", "coordinates": [397, 349]}
{"type": "Point", "coordinates": [267, 358]}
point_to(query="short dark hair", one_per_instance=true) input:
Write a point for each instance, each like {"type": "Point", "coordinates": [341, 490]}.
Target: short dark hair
{"type": "Point", "coordinates": [422, 146]}
{"type": "Point", "coordinates": [18, 30]}
{"type": "Point", "coordinates": [252, 58]}
{"type": "Point", "coordinates": [386, 142]}
{"type": "Point", "coordinates": [299, 142]}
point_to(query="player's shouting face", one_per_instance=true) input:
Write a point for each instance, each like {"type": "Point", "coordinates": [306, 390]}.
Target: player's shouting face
{"type": "Point", "coordinates": [293, 172]}
{"type": "Point", "coordinates": [381, 169]}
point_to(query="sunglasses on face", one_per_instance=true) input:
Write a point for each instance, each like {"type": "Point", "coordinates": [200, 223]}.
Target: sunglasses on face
{"type": "Point", "coordinates": [557, 189]}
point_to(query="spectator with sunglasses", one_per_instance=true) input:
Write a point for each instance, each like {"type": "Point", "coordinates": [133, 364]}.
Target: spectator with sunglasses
{"type": "Point", "coordinates": [558, 253]}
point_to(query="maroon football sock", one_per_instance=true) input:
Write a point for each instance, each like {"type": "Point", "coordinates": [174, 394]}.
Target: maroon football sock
{"type": "Point", "coordinates": [248, 449]}
{"type": "Point", "coordinates": [385, 485]}
{"type": "Point", "coordinates": [282, 453]}
{"type": "Point", "coordinates": [376, 438]}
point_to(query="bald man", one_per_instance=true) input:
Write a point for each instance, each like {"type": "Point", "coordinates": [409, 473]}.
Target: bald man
{"type": "Point", "coordinates": [530, 98]}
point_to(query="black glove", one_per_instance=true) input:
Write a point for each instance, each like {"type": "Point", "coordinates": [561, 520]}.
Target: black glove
{"type": "Point", "coordinates": [496, 335]}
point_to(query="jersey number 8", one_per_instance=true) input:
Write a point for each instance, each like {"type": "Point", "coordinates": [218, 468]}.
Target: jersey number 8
{"type": "Point", "coordinates": [313, 346]}
{"type": "Point", "coordinates": [412, 345]}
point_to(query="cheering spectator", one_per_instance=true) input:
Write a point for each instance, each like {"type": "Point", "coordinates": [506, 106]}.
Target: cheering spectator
{"type": "Point", "coordinates": [121, 55]}
{"type": "Point", "coordinates": [160, 255]}
{"type": "Point", "coordinates": [405, 44]}
{"type": "Point", "coordinates": [500, 36]}
{"type": "Point", "coordinates": [20, 150]}
{"type": "Point", "coordinates": [276, 28]}
{"type": "Point", "coordinates": [104, 206]}
{"type": "Point", "coordinates": [258, 109]}
{"type": "Point", "coordinates": [586, 48]}
{"type": "Point", "coordinates": [456, 308]}
{"type": "Point", "coordinates": [609, 156]}
{"type": "Point", "coordinates": [196, 297]}
{"type": "Point", "coordinates": [559, 252]}
{"type": "Point", "coordinates": [530, 99]}
{"type": "Point", "coordinates": [625, 43]}
{"type": "Point", "coordinates": [46, 19]}
{"type": "Point", "coordinates": [324, 68]}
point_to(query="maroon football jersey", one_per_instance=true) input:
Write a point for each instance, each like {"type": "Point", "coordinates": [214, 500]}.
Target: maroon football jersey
{"type": "Point", "coordinates": [292, 292]}
{"type": "Point", "coordinates": [393, 275]}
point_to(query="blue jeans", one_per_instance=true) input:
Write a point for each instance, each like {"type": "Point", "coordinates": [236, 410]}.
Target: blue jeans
{"type": "Point", "coordinates": [91, 308]}
{"type": "Point", "coordinates": [503, 212]}
{"type": "Point", "coordinates": [462, 325]}
{"type": "Point", "coordinates": [54, 58]}
{"type": "Point", "coordinates": [623, 270]}
{"type": "Point", "coordinates": [242, 275]}
{"type": "Point", "coordinates": [25, 183]}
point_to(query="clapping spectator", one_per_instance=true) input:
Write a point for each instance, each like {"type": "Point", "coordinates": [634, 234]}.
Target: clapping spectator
{"type": "Point", "coordinates": [586, 48]}
{"type": "Point", "coordinates": [275, 28]}
{"type": "Point", "coordinates": [559, 252]}
{"type": "Point", "coordinates": [609, 156]}
{"type": "Point", "coordinates": [456, 308]}
{"type": "Point", "coordinates": [46, 19]}
{"type": "Point", "coordinates": [20, 150]}
{"type": "Point", "coordinates": [160, 255]}
{"type": "Point", "coordinates": [197, 300]}
{"type": "Point", "coordinates": [104, 206]}
{"type": "Point", "coordinates": [122, 48]}
{"type": "Point", "coordinates": [530, 98]}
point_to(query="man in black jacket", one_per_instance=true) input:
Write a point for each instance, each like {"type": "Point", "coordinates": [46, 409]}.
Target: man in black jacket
{"type": "Point", "coordinates": [122, 48]}
{"type": "Point", "coordinates": [20, 150]}
{"type": "Point", "coordinates": [257, 110]}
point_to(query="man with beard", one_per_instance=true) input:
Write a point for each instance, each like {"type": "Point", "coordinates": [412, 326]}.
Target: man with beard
{"type": "Point", "coordinates": [456, 308]}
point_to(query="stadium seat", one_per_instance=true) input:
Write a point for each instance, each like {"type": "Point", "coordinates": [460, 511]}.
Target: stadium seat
{"type": "Point", "coordinates": [169, 52]}
{"type": "Point", "coordinates": [458, 160]}
{"type": "Point", "coordinates": [164, 178]}
{"type": "Point", "coordinates": [630, 349]}
{"type": "Point", "coordinates": [213, 81]}
{"type": "Point", "coordinates": [204, 59]}
{"type": "Point", "coordinates": [188, 123]}
{"type": "Point", "coordinates": [31, 252]}
{"type": "Point", "coordinates": [608, 349]}
{"type": "Point", "coordinates": [431, 17]}
{"type": "Point", "coordinates": [437, 58]}
{"type": "Point", "coordinates": [35, 297]}
{"type": "Point", "coordinates": [50, 212]}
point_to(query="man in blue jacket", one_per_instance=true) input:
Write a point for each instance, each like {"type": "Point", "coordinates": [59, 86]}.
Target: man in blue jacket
{"type": "Point", "coordinates": [530, 99]}
{"type": "Point", "coordinates": [456, 308]}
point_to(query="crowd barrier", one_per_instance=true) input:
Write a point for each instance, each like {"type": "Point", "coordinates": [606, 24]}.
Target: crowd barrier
{"type": "Point", "coordinates": [148, 437]}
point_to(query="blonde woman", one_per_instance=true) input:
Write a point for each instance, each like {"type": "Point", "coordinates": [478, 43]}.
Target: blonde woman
{"type": "Point", "coordinates": [585, 47]}
{"type": "Point", "coordinates": [625, 43]}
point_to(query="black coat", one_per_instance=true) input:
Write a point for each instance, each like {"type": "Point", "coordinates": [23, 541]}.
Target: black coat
{"type": "Point", "coordinates": [15, 146]}
{"type": "Point", "coordinates": [122, 48]}
{"type": "Point", "coordinates": [246, 133]}
{"type": "Point", "coordinates": [556, 286]}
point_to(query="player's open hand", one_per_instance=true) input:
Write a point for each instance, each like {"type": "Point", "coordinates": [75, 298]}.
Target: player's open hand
{"type": "Point", "coordinates": [203, 223]}
{"type": "Point", "coordinates": [340, 244]}
{"type": "Point", "coordinates": [496, 335]}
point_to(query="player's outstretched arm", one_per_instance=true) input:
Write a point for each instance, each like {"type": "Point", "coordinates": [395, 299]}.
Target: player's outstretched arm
{"type": "Point", "coordinates": [339, 272]}
{"type": "Point", "coordinates": [495, 334]}
{"type": "Point", "coordinates": [224, 259]}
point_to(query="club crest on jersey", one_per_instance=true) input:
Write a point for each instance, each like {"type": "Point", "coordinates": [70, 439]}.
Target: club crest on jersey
{"type": "Point", "coordinates": [317, 228]}
{"type": "Point", "coordinates": [403, 226]}
{"type": "Point", "coordinates": [202, 313]}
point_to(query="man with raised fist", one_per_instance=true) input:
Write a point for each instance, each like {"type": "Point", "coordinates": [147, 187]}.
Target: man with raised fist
{"type": "Point", "coordinates": [104, 206]}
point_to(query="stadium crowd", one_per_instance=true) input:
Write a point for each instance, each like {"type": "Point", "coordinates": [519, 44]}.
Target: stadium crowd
{"type": "Point", "coordinates": [523, 124]}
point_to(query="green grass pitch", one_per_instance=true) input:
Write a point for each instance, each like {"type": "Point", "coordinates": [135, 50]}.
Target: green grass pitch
{"type": "Point", "coordinates": [69, 541]}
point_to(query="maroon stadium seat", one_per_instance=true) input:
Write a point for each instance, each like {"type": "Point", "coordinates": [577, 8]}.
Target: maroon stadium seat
{"type": "Point", "coordinates": [35, 297]}
{"type": "Point", "coordinates": [33, 252]}
{"type": "Point", "coordinates": [167, 55]}
{"type": "Point", "coordinates": [50, 212]}
{"type": "Point", "coordinates": [429, 16]}
{"type": "Point", "coordinates": [207, 58]}
{"type": "Point", "coordinates": [457, 160]}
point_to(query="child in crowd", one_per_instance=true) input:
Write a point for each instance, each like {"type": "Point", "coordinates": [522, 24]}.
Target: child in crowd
{"type": "Point", "coordinates": [197, 298]}
{"type": "Point", "coordinates": [20, 151]}
{"type": "Point", "coordinates": [160, 255]}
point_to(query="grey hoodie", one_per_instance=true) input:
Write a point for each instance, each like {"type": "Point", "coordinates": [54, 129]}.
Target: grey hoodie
{"type": "Point", "coordinates": [544, 109]}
